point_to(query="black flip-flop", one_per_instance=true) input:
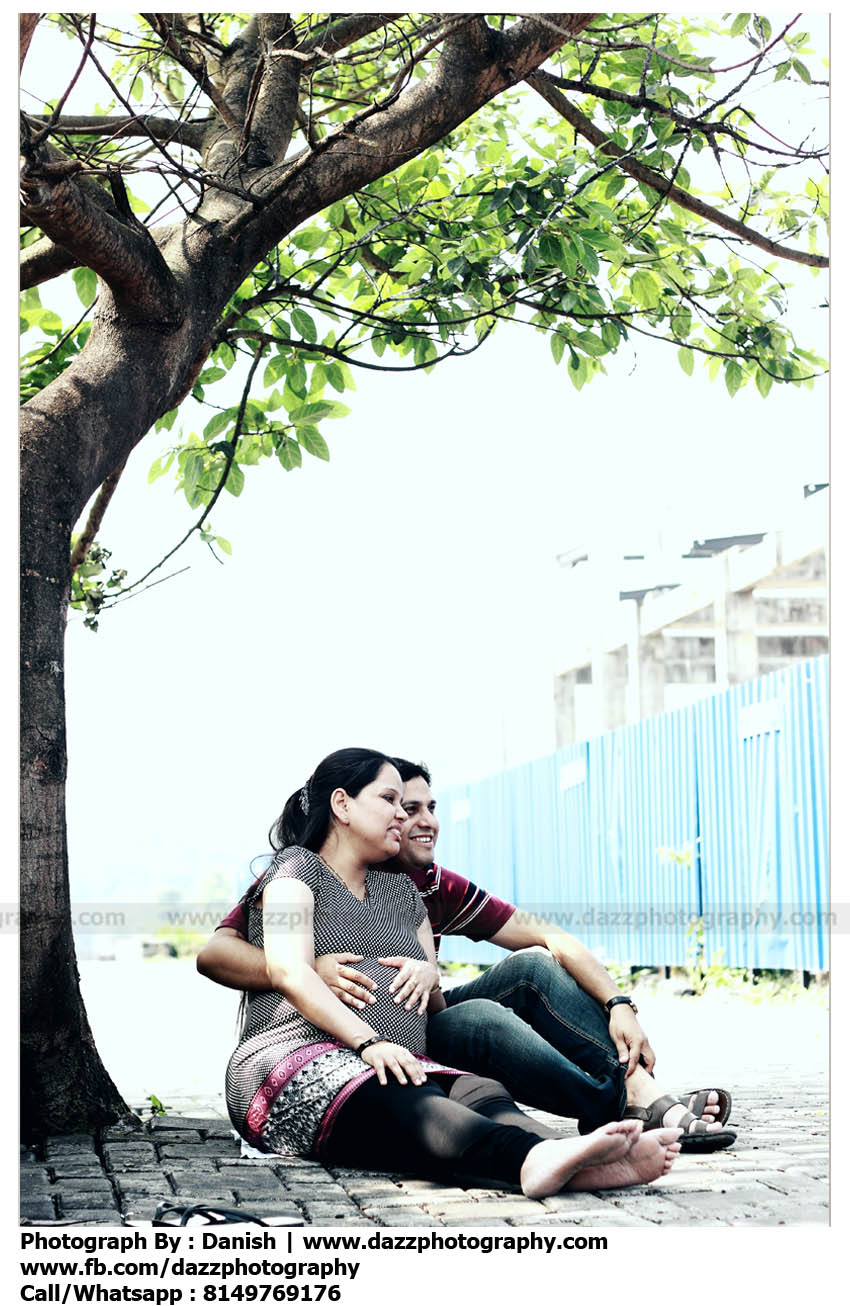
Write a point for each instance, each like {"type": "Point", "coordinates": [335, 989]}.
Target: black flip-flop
{"type": "Point", "coordinates": [178, 1216]}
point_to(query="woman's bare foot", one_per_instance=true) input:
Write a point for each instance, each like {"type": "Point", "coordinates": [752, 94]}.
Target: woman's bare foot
{"type": "Point", "coordinates": [554, 1161]}
{"type": "Point", "coordinates": [650, 1157]}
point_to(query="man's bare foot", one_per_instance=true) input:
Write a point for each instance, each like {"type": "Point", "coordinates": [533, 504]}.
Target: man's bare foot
{"type": "Point", "coordinates": [650, 1157]}
{"type": "Point", "coordinates": [554, 1161]}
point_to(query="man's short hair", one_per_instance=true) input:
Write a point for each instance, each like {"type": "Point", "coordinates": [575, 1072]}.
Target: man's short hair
{"type": "Point", "coordinates": [410, 770]}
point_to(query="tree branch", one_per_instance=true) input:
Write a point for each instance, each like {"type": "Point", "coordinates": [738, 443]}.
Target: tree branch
{"type": "Point", "coordinates": [336, 36]}
{"type": "Point", "coordinates": [477, 63]}
{"type": "Point", "coordinates": [43, 261]}
{"type": "Point", "coordinates": [92, 526]}
{"type": "Point", "coordinates": [28, 24]}
{"type": "Point", "coordinates": [708, 129]}
{"type": "Point", "coordinates": [237, 431]}
{"type": "Point", "coordinates": [649, 177]}
{"type": "Point", "coordinates": [190, 134]}
{"type": "Point", "coordinates": [122, 252]}
{"type": "Point", "coordinates": [196, 68]}
{"type": "Point", "coordinates": [270, 118]}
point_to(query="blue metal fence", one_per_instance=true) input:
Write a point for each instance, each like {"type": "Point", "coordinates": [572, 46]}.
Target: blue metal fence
{"type": "Point", "coordinates": [717, 810]}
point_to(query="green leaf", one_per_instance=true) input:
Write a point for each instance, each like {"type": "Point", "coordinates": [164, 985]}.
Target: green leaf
{"type": "Point", "coordinates": [802, 71]}
{"type": "Point", "coordinates": [557, 344]}
{"type": "Point", "coordinates": [193, 467]}
{"type": "Point", "coordinates": [289, 455]}
{"type": "Point", "coordinates": [218, 423]}
{"type": "Point", "coordinates": [159, 467]}
{"type": "Point", "coordinates": [335, 376]}
{"type": "Point", "coordinates": [167, 420]}
{"type": "Point", "coordinates": [734, 378]}
{"type": "Point", "coordinates": [591, 344]}
{"type": "Point", "coordinates": [274, 370]}
{"type": "Point", "coordinates": [686, 360]}
{"type": "Point", "coordinates": [304, 325]}
{"type": "Point", "coordinates": [235, 482]}
{"type": "Point", "coordinates": [307, 414]}
{"type": "Point", "coordinates": [741, 21]}
{"type": "Point", "coordinates": [764, 382]}
{"type": "Point", "coordinates": [645, 289]}
{"type": "Point", "coordinates": [310, 439]}
{"type": "Point", "coordinates": [224, 544]}
{"type": "Point", "coordinates": [86, 283]}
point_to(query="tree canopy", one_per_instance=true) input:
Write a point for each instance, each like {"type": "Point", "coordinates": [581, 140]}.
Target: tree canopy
{"type": "Point", "coordinates": [253, 207]}
{"type": "Point", "coordinates": [572, 209]}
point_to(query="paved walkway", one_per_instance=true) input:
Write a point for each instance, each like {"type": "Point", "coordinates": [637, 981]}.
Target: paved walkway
{"type": "Point", "coordinates": [777, 1175]}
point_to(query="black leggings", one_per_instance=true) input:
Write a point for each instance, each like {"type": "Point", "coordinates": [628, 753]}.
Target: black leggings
{"type": "Point", "coordinates": [471, 1125]}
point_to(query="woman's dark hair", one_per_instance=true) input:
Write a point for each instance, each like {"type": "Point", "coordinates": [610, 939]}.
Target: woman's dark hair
{"type": "Point", "coordinates": [410, 770]}
{"type": "Point", "coordinates": [306, 818]}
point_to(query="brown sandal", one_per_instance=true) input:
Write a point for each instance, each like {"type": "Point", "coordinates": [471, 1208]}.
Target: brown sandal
{"type": "Point", "coordinates": [724, 1102]}
{"type": "Point", "coordinates": [696, 1136]}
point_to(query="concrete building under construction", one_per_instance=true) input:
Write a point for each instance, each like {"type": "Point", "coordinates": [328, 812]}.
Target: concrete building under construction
{"type": "Point", "coordinates": [652, 630]}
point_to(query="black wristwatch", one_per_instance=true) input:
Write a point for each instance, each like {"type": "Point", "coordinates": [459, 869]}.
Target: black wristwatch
{"type": "Point", "coordinates": [621, 997]}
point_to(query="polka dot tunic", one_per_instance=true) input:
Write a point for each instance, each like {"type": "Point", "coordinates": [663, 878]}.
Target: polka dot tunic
{"type": "Point", "coordinates": [287, 1079]}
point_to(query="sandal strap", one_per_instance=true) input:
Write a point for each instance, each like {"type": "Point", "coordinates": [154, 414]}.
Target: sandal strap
{"type": "Point", "coordinates": [723, 1104]}
{"type": "Point", "coordinates": [653, 1115]}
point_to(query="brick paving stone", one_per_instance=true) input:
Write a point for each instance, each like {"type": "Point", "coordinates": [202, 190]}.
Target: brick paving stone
{"type": "Point", "coordinates": [646, 1204]}
{"type": "Point", "coordinates": [182, 1166]}
{"type": "Point", "coordinates": [92, 1215]}
{"type": "Point", "coordinates": [70, 1203]}
{"type": "Point", "coordinates": [86, 1183]}
{"type": "Point", "coordinates": [180, 1124]}
{"type": "Point", "coordinates": [408, 1219]}
{"type": "Point", "coordinates": [35, 1180]}
{"type": "Point", "coordinates": [272, 1206]}
{"type": "Point", "coordinates": [65, 1144]}
{"type": "Point", "coordinates": [329, 1212]}
{"type": "Point", "coordinates": [473, 1222]}
{"type": "Point", "coordinates": [37, 1208]}
{"type": "Point", "coordinates": [191, 1190]}
{"type": "Point", "coordinates": [159, 1189]}
{"type": "Point", "coordinates": [499, 1211]}
{"type": "Point", "coordinates": [248, 1184]}
{"type": "Point", "coordinates": [77, 1169]}
{"type": "Point", "coordinates": [129, 1156]}
{"type": "Point", "coordinates": [391, 1202]}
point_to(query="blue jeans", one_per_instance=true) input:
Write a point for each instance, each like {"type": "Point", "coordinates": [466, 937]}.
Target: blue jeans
{"type": "Point", "coordinates": [528, 1024]}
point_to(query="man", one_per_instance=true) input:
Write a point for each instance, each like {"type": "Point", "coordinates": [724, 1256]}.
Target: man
{"type": "Point", "coordinates": [548, 1021]}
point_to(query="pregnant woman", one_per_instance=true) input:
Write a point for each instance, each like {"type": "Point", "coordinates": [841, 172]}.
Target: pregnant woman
{"type": "Point", "coordinates": [312, 1076]}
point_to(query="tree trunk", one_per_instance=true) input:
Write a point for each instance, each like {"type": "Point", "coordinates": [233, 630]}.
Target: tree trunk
{"type": "Point", "coordinates": [57, 1050]}
{"type": "Point", "coordinates": [129, 376]}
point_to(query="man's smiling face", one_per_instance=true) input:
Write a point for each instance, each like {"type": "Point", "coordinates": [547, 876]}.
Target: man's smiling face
{"type": "Point", "coordinates": [420, 830]}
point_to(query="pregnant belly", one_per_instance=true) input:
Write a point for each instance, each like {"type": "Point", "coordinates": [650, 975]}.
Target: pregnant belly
{"type": "Point", "coordinates": [389, 1018]}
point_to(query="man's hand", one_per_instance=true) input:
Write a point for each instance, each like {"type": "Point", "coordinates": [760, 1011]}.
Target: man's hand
{"type": "Point", "coordinates": [414, 982]}
{"type": "Point", "coordinates": [349, 985]}
{"type": "Point", "coordinates": [629, 1039]}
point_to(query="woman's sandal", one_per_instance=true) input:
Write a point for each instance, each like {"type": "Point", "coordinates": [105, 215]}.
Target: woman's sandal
{"type": "Point", "coordinates": [171, 1215]}
{"type": "Point", "coordinates": [697, 1137]}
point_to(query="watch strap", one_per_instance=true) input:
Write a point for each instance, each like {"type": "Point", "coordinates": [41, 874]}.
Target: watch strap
{"type": "Point", "coordinates": [615, 1001]}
